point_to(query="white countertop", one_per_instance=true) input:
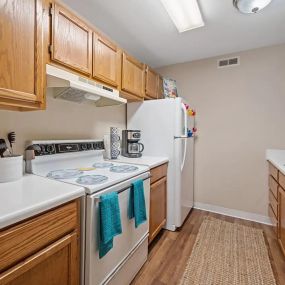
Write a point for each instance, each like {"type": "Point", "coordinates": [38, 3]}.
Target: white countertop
{"type": "Point", "coordinates": [150, 161]}
{"type": "Point", "coordinates": [32, 195]}
{"type": "Point", "coordinates": [277, 158]}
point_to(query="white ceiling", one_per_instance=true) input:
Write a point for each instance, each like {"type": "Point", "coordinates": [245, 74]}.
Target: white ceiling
{"type": "Point", "coordinates": [144, 29]}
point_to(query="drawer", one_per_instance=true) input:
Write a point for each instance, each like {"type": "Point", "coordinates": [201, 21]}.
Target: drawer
{"type": "Point", "coordinates": [273, 218]}
{"type": "Point", "coordinates": [273, 186]}
{"type": "Point", "coordinates": [273, 203]}
{"type": "Point", "coordinates": [27, 238]}
{"type": "Point", "coordinates": [282, 180]}
{"type": "Point", "coordinates": [158, 172]}
{"type": "Point", "coordinates": [273, 171]}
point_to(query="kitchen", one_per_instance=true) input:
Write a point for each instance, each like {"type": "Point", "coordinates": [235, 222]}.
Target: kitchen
{"type": "Point", "coordinates": [239, 118]}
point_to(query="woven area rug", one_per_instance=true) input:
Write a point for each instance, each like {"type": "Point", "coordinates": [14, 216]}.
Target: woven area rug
{"type": "Point", "coordinates": [228, 254]}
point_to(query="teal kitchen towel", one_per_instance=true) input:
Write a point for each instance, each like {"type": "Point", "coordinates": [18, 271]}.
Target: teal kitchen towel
{"type": "Point", "coordinates": [110, 221]}
{"type": "Point", "coordinates": [136, 207]}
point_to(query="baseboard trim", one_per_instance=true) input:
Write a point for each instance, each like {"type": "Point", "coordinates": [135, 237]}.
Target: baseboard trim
{"type": "Point", "coordinates": [233, 213]}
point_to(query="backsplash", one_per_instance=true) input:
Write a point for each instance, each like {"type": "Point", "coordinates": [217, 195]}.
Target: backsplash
{"type": "Point", "coordinates": [61, 120]}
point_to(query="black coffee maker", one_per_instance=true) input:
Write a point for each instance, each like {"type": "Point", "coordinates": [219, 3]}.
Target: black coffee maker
{"type": "Point", "coordinates": [131, 147]}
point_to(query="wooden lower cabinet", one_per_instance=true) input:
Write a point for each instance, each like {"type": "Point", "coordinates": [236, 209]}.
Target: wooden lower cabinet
{"type": "Point", "coordinates": [158, 196]}
{"type": "Point", "coordinates": [276, 207]}
{"type": "Point", "coordinates": [43, 250]}
{"type": "Point", "coordinates": [281, 231]}
{"type": "Point", "coordinates": [54, 265]}
{"type": "Point", "coordinates": [273, 205]}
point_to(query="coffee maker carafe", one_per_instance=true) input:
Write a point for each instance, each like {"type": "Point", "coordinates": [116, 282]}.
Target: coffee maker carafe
{"type": "Point", "coordinates": [131, 147]}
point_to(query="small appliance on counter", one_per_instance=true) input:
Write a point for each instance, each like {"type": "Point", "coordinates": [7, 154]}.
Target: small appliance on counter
{"type": "Point", "coordinates": [131, 147]}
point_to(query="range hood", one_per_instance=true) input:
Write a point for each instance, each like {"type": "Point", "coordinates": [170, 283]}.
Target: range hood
{"type": "Point", "coordinates": [71, 87]}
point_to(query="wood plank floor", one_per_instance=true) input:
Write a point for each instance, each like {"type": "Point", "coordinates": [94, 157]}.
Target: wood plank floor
{"type": "Point", "coordinates": [170, 251]}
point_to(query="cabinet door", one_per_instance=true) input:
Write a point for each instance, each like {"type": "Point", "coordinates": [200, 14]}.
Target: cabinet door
{"type": "Point", "coordinates": [106, 61]}
{"type": "Point", "coordinates": [160, 94]}
{"type": "Point", "coordinates": [71, 41]}
{"type": "Point", "coordinates": [157, 217]}
{"type": "Point", "coordinates": [22, 71]}
{"type": "Point", "coordinates": [151, 83]}
{"type": "Point", "coordinates": [54, 265]}
{"type": "Point", "coordinates": [133, 77]}
{"type": "Point", "coordinates": [281, 218]}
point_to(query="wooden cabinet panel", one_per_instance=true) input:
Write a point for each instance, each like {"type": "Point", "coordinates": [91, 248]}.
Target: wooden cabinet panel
{"type": "Point", "coordinates": [281, 180]}
{"type": "Point", "coordinates": [54, 265]}
{"type": "Point", "coordinates": [158, 172]}
{"type": "Point", "coordinates": [133, 76]}
{"type": "Point", "coordinates": [151, 83]}
{"type": "Point", "coordinates": [28, 237]}
{"type": "Point", "coordinates": [273, 203]}
{"type": "Point", "coordinates": [71, 41]}
{"type": "Point", "coordinates": [273, 219]}
{"type": "Point", "coordinates": [273, 186]}
{"type": "Point", "coordinates": [281, 219]}
{"type": "Point", "coordinates": [273, 171]}
{"type": "Point", "coordinates": [106, 61]}
{"type": "Point", "coordinates": [157, 207]}
{"type": "Point", "coordinates": [22, 70]}
{"type": "Point", "coordinates": [160, 94]}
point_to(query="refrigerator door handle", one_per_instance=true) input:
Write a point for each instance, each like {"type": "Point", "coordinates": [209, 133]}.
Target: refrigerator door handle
{"type": "Point", "coordinates": [184, 154]}
{"type": "Point", "coordinates": [184, 110]}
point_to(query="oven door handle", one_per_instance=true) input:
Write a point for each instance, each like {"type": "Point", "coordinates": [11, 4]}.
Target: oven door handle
{"type": "Point", "coordinates": [97, 199]}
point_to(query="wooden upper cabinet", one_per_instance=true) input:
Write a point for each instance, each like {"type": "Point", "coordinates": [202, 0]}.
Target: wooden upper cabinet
{"type": "Point", "coordinates": [22, 70]}
{"type": "Point", "coordinates": [71, 41]}
{"type": "Point", "coordinates": [106, 61]}
{"type": "Point", "coordinates": [160, 94]}
{"type": "Point", "coordinates": [151, 83]}
{"type": "Point", "coordinates": [133, 76]}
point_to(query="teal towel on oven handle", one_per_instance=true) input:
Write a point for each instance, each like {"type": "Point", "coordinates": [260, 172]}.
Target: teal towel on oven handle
{"type": "Point", "coordinates": [136, 208]}
{"type": "Point", "coordinates": [110, 221]}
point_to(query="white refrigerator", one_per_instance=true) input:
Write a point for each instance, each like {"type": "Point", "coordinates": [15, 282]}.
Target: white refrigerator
{"type": "Point", "coordinates": [164, 124]}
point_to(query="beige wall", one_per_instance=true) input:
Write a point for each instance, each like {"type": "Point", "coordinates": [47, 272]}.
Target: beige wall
{"type": "Point", "coordinates": [61, 120]}
{"type": "Point", "coordinates": [240, 113]}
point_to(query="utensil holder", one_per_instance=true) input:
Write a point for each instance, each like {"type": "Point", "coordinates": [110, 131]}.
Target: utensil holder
{"type": "Point", "coordinates": [11, 168]}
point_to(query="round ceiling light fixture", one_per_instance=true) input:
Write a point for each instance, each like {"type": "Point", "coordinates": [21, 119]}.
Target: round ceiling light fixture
{"type": "Point", "coordinates": [250, 6]}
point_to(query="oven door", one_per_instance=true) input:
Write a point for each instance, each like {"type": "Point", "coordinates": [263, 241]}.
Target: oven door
{"type": "Point", "coordinates": [99, 271]}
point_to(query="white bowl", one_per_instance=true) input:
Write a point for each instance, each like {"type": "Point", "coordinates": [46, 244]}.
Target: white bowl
{"type": "Point", "coordinates": [11, 168]}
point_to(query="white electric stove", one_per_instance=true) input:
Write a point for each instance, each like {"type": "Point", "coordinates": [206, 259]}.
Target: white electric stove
{"type": "Point", "coordinates": [82, 163]}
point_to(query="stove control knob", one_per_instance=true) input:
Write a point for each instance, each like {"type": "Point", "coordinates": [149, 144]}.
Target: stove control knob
{"type": "Point", "coordinates": [43, 149]}
{"type": "Point", "coordinates": [95, 145]}
{"type": "Point", "coordinates": [50, 148]}
{"type": "Point", "coordinates": [83, 146]}
{"type": "Point", "coordinates": [89, 146]}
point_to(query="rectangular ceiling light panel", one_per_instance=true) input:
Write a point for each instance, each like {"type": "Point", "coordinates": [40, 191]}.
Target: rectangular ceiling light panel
{"type": "Point", "coordinates": [185, 14]}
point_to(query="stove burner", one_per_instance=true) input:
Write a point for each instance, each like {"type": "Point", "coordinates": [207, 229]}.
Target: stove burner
{"type": "Point", "coordinates": [123, 168]}
{"type": "Point", "coordinates": [64, 173]}
{"type": "Point", "coordinates": [91, 179]}
{"type": "Point", "coordinates": [102, 164]}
